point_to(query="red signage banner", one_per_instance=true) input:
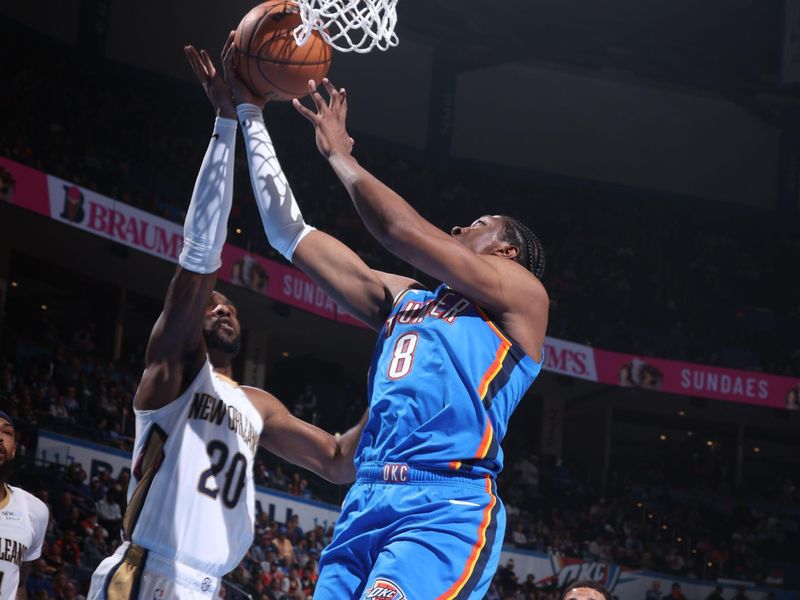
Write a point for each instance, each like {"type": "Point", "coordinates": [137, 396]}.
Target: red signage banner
{"type": "Point", "coordinates": [103, 216]}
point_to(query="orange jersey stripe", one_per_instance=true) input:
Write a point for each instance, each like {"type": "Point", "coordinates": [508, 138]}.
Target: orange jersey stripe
{"type": "Point", "coordinates": [455, 465]}
{"type": "Point", "coordinates": [486, 440]}
{"type": "Point", "coordinates": [494, 369]}
{"type": "Point", "coordinates": [500, 356]}
{"type": "Point", "coordinates": [400, 297]}
{"type": "Point", "coordinates": [476, 549]}
{"type": "Point", "coordinates": [492, 325]}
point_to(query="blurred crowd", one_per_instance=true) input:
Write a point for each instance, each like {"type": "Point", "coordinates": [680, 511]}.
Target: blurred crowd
{"type": "Point", "coordinates": [625, 272]}
{"type": "Point", "coordinates": [690, 532]}
{"type": "Point", "coordinates": [665, 277]}
{"type": "Point", "coordinates": [72, 391]}
{"type": "Point", "coordinates": [282, 563]}
{"type": "Point", "coordinates": [86, 517]}
{"type": "Point", "coordinates": [684, 530]}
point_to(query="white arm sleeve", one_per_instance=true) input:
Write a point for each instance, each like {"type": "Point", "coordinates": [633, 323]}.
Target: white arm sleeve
{"type": "Point", "coordinates": [283, 221]}
{"type": "Point", "coordinates": [206, 224]}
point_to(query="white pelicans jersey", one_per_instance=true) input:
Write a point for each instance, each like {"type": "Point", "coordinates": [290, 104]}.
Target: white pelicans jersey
{"type": "Point", "coordinates": [192, 497]}
{"type": "Point", "coordinates": [23, 524]}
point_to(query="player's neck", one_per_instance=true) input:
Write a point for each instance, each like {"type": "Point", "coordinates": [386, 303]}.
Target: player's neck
{"type": "Point", "coordinates": [227, 371]}
{"type": "Point", "coordinates": [4, 492]}
{"type": "Point", "coordinates": [221, 363]}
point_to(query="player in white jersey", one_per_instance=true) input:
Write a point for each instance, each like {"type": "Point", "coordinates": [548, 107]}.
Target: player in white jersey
{"type": "Point", "coordinates": [191, 505]}
{"type": "Point", "coordinates": [23, 522]}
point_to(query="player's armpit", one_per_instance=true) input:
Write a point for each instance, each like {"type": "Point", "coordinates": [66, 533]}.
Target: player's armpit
{"type": "Point", "coordinates": [304, 444]}
{"type": "Point", "coordinates": [176, 350]}
{"type": "Point", "coordinates": [362, 292]}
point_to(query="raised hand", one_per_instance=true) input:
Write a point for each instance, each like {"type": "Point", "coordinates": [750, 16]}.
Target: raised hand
{"type": "Point", "coordinates": [329, 120]}
{"type": "Point", "coordinates": [214, 85]}
{"type": "Point", "coordinates": [241, 93]}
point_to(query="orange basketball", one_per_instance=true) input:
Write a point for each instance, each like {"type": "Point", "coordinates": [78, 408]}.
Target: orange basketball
{"type": "Point", "coordinates": [270, 61]}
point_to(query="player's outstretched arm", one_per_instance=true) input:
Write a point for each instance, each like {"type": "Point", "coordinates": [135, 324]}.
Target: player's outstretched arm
{"type": "Point", "coordinates": [304, 444]}
{"type": "Point", "coordinates": [364, 293]}
{"type": "Point", "coordinates": [176, 350]}
{"type": "Point", "coordinates": [498, 284]}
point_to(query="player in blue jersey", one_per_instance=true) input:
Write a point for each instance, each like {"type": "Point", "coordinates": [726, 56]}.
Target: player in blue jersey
{"type": "Point", "coordinates": [423, 519]}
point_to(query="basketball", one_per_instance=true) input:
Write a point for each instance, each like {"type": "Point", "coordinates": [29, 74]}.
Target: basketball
{"type": "Point", "coordinates": [269, 60]}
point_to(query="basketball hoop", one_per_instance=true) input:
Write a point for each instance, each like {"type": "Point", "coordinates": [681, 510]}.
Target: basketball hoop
{"type": "Point", "coordinates": [349, 25]}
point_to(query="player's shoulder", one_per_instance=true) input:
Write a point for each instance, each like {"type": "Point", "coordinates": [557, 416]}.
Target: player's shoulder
{"type": "Point", "coordinates": [523, 282]}
{"type": "Point", "coordinates": [265, 403]}
{"type": "Point", "coordinates": [35, 506]}
{"type": "Point", "coordinates": [516, 278]}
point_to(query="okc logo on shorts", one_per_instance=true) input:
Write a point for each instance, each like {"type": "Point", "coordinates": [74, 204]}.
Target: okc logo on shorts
{"type": "Point", "coordinates": [395, 472]}
{"type": "Point", "coordinates": [206, 584]}
{"type": "Point", "coordinates": [385, 589]}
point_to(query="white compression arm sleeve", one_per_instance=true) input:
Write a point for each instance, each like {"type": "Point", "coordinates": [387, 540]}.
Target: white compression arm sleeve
{"type": "Point", "coordinates": [283, 221]}
{"type": "Point", "coordinates": [206, 224]}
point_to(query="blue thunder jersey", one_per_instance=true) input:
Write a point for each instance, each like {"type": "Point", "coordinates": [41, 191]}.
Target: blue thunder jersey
{"type": "Point", "coordinates": [443, 383]}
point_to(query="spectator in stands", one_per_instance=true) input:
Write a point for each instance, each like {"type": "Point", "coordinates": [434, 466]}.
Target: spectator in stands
{"type": "Point", "coordinates": [306, 404]}
{"type": "Point", "coordinates": [68, 547]}
{"type": "Point", "coordinates": [121, 489]}
{"type": "Point", "coordinates": [38, 580]}
{"type": "Point", "coordinates": [308, 579]}
{"type": "Point", "coordinates": [71, 403]}
{"type": "Point", "coordinates": [71, 592]}
{"type": "Point", "coordinates": [95, 548]}
{"type": "Point", "coordinates": [295, 487]}
{"type": "Point", "coordinates": [675, 562]}
{"type": "Point", "coordinates": [96, 491]}
{"type": "Point", "coordinates": [493, 593]}
{"type": "Point", "coordinates": [60, 581]}
{"type": "Point", "coordinates": [264, 547]}
{"type": "Point", "coordinates": [528, 587]}
{"type": "Point", "coordinates": [109, 512]}
{"type": "Point", "coordinates": [260, 474]}
{"type": "Point", "coordinates": [716, 594]}
{"type": "Point", "coordinates": [654, 593]}
{"type": "Point", "coordinates": [741, 593]}
{"type": "Point", "coordinates": [75, 482]}
{"type": "Point", "coordinates": [293, 530]}
{"type": "Point", "coordinates": [527, 469]}
{"type": "Point", "coordinates": [285, 548]}
{"type": "Point", "coordinates": [63, 507]}
{"type": "Point", "coordinates": [279, 479]}
{"type": "Point", "coordinates": [675, 593]}
{"type": "Point", "coordinates": [106, 480]}
{"type": "Point", "coordinates": [73, 521]}
{"type": "Point", "coordinates": [507, 577]}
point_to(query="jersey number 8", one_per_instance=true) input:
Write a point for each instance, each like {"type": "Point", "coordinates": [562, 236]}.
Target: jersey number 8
{"type": "Point", "coordinates": [403, 355]}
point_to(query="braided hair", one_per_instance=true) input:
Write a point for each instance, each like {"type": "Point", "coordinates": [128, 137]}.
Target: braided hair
{"type": "Point", "coordinates": [531, 251]}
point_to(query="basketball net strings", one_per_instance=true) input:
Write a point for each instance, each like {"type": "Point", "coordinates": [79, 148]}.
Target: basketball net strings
{"type": "Point", "coordinates": [349, 25]}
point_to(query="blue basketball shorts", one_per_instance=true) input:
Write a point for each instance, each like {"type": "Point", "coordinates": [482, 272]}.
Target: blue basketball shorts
{"type": "Point", "coordinates": [408, 533]}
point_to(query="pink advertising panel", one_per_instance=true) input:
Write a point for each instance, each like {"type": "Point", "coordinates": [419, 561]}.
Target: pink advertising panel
{"type": "Point", "coordinates": [23, 186]}
{"type": "Point", "coordinates": [105, 217]}
{"type": "Point", "coordinates": [689, 379]}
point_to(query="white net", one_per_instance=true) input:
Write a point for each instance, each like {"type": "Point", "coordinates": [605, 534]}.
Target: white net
{"type": "Point", "coordinates": [349, 25]}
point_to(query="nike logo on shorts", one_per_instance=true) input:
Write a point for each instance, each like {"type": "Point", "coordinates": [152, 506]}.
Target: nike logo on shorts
{"type": "Point", "coordinates": [464, 503]}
